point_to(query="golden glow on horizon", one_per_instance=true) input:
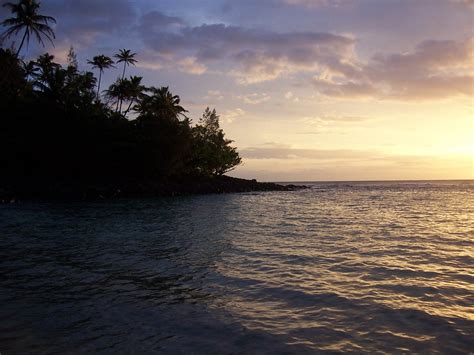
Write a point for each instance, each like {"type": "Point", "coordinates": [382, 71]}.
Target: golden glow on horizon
{"type": "Point", "coordinates": [378, 140]}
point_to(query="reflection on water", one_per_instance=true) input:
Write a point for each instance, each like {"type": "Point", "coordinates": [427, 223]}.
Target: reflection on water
{"type": "Point", "coordinates": [341, 267]}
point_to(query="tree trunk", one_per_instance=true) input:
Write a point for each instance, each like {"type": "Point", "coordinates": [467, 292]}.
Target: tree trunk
{"type": "Point", "coordinates": [128, 108]}
{"type": "Point", "coordinates": [98, 86]}
{"type": "Point", "coordinates": [123, 74]}
{"type": "Point", "coordinates": [22, 41]}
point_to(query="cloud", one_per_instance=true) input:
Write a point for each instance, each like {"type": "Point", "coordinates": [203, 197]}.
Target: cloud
{"type": "Point", "coordinates": [155, 61]}
{"type": "Point", "coordinates": [381, 167]}
{"type": "Point", "coordinates": [336, 119]}
{"type": "Point", "coordinates": [230, 116]}
{"type": "Point", "coordinates": [327, 124]}
{"type": "Point", "coordinates": [433, 70]}
{"type": "Point", "coordinates": [348, 89]}
{"type": "Point", "coordinates": [214, 95]}
{"type": "Point", "coordinates": [83, 21]}
{"type": "Point", "coordinates": [291, 97]}
{"type": "Point", "coordinates": [282, 151]}
{"type": "Point", "coordinates": [157, 21]}
{"type": "Point", "coordinates": [255, 98]}
{"type": "Point", "coordinates": [151, 60]}
{"type": "Point", "coordinates": [191, 66]}
{"type": "Point", "coordinates": [257, 55]}
{"type": "Point", "coordinates": [469, 3]}
{"type": "Point", "coordinates": [317, 3]}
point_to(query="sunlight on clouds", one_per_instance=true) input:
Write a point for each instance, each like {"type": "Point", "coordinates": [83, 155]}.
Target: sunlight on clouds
{"type": "Point", "coordinates": [191, 66]}
{"type": "Point", "coordinates": [229, 116]}
{"type": "Point", "coordinates": [150, 60]}
{"type": "Point", "coordinates": [214, 95]}
{"type": "Point", "coordinates": [466, 2]}
{"type": "Point", "coordinates": [290, 96]}
{"type": "Point", "coordinates": [254, 98]}
{"type": "Point", "coordinates": [433, 70]}
{"type": "Point", "coordinates": [259, 69]}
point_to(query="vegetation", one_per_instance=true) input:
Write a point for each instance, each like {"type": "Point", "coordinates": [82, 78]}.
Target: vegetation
{"type": "Point", "coordinates": [101, 62]}
{"type": "Point", "coordinates": [57, 126]}
{"type": "Point", "coordinates": [27, 19]}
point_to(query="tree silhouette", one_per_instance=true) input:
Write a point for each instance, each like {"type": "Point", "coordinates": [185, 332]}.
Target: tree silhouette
{"type": "Point", "coordinates": [46, 68]}
{"type": "Point", "coordinates": [162, 104]}
{"type": "Point", "coordinates": [80, 139]}
{"type": "Point", "coordinates": [12, 76]}
{"type": "Point", "coordinates": [125, 90]}
{"type": "Point", "coordinates": [126, 57]}
{"type": "Point", "coordinates": [213, 154]}
{"type": "Point", "coordinates": [117, 92]}
{"type": "Point", "coordinates": [27, 19]}
{"type": "Point", "coordinates": [135, 91]}
{"type": "Point", "coordinates": [101, 62]}
{"type": "Point", "coordinates": [30, 69]}
{"type": "Point", "coordinates": [72, 59]}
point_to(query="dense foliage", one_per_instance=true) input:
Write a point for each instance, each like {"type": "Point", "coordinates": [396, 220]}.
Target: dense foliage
{"type": "Point", "coordinates": [56, 123]}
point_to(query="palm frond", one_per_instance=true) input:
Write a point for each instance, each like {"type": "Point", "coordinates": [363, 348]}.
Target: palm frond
{"type": "Point", "coordinates": [27, 18]}
{"type": "Point", "coordinates": [11, 31]}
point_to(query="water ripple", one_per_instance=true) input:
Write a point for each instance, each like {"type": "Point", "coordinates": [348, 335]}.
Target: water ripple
{"type": "Point", "coordinates": [362, 267]}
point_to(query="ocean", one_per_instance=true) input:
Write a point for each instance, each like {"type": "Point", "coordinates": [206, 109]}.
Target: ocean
{"type": "Point", "coordinates": [373, 267]}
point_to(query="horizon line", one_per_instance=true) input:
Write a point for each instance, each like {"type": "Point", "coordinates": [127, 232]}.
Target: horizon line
{"type": "Point", "coordinates": [394, 180]}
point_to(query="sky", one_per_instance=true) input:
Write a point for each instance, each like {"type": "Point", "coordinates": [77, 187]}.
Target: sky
{"type": "Point", "coordinates": [307, 89]}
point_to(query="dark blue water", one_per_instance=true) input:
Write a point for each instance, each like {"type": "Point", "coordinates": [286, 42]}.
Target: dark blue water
{"type": "Point", "coordinates": [363, 267]}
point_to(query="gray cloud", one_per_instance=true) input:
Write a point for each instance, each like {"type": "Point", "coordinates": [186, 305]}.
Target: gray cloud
{"type": "Point", "coordinates": [82, 21]}
{"type": "Point", "coordinates": [434, 70]}
{"type": "Point", "coordinates": [469, 3]}
{"type": "Point", "coordinates": [260, 54]}
{"type": "Point", "coordinates": [276, 151]}
{"type": "Point", "coordinates": [318, 3]}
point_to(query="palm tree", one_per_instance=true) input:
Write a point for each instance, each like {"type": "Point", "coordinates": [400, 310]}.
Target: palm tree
{"type": "Point", "coordinates": [47, 67]}
{"type": "Point", "coordinates": [117, 92]}
{"type": "Point", "coordinates": [127, 58]}
{"type": "Point", "coordinates": [130, 90]}
{"type": "Point", "coordinates": [101, 62]}
{"type": "Point", "coordinates": [135, 91]}
{"type": "Point", "coordinates": [27, 19]}
{"type": "Point", "coordinates": [162, 104]}
{"type": "Point", "coordinates": [30, 69]}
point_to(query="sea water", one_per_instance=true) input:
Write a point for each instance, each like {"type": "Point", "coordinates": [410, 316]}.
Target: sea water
{"type": "Point", "coordinates": [364, 267]}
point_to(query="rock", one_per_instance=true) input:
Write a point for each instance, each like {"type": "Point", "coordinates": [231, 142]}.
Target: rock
{"type": "Point", "coordinates": [140, 188]}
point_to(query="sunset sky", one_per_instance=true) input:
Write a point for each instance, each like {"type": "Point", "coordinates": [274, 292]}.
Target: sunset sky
{"type": "Point", "coordinates": [307, 89]}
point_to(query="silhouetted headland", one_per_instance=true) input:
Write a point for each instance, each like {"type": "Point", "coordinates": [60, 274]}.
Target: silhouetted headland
{"type": "Point", "coordinates": [62, 137]}
{"type": "Point", "coordinates": [64, 190]}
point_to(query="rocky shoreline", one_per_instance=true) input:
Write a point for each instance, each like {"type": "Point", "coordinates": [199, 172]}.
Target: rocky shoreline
{"type": "Point", "coordinates": [128, 189]}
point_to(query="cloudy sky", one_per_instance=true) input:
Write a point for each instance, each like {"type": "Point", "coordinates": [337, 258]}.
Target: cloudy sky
{"type": "Point", "coordinates": [307, 89]}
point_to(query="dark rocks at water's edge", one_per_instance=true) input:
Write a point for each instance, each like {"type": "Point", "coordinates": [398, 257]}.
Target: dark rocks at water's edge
{"type": "Point", "coordinates": [136, 188]}
{"type": "Point", "coordinates": [7, 196]}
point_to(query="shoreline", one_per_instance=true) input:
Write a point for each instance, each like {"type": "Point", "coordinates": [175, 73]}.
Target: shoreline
{"type": "Point", "coordinates": [85, 191]}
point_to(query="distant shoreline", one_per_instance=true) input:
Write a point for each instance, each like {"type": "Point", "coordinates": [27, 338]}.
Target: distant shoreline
{"type": "Point", "coordinates": [66, 190]}
{"type": "Point", "coordinates": [369, 181]}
